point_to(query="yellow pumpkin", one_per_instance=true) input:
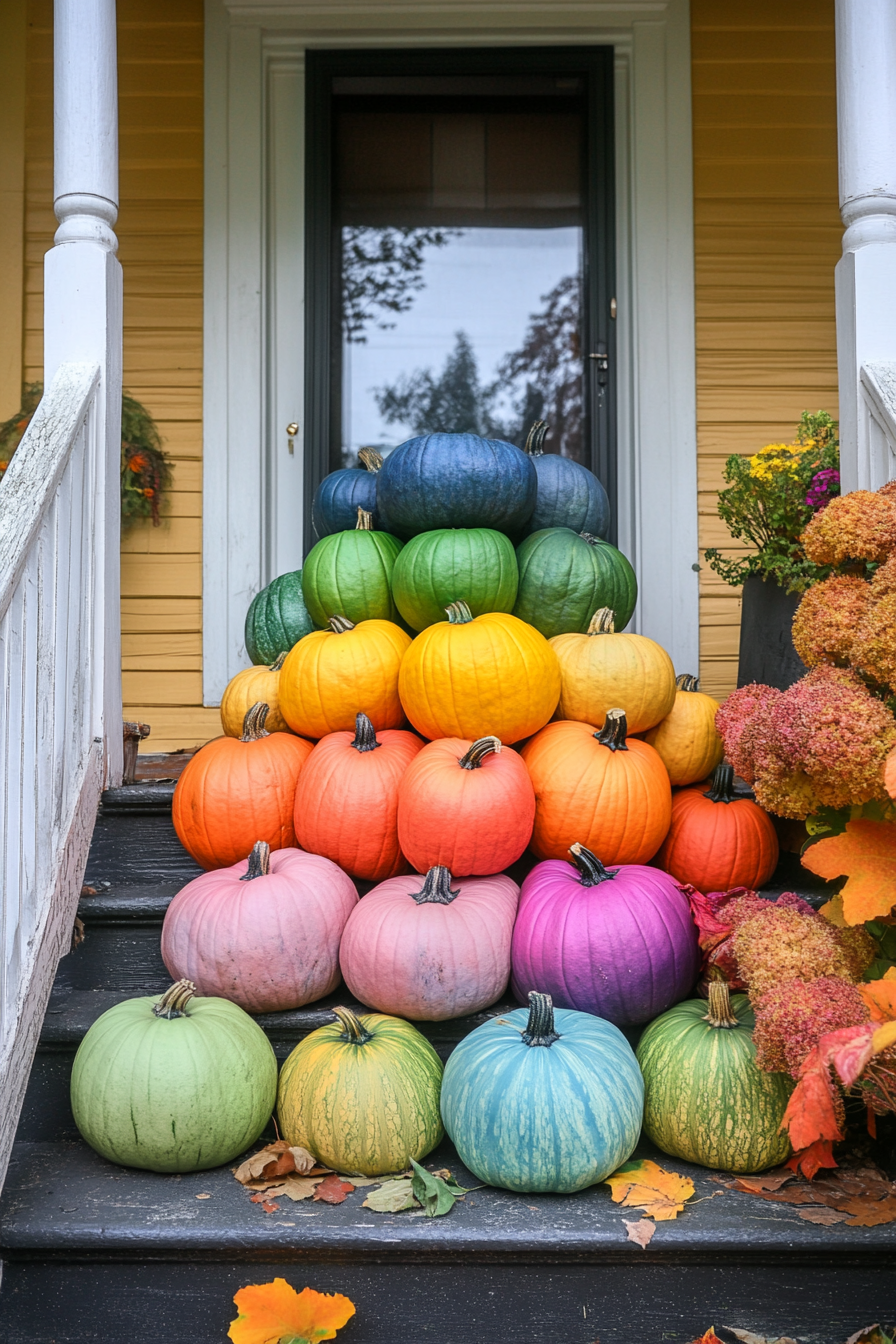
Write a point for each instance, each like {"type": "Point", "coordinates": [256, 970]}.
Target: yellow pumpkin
{"type": "Point", "coordinates": [492, 676]}
{"type": "Point", "coordinates": [601, 670]}
{"type": "Point", "coordinates": [247, 688]}
{"type": "Point", "coordinates": [686, 739]}
{"type": "Point", "coordinates": [333, 675]}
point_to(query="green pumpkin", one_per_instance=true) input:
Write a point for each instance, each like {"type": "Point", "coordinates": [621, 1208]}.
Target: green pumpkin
{"type": "Point", "coordinates": [173, 1083]}
{"type": "Point", "coordinates": [362, 1094]}
{"type": "Point", "coordinates": [705, 1099]}
{"type": "Point", "coordinates": [350, 574]}
{"type": "Point", "coordinates": [566, 576]}
{"type": "Point", "coordinates": [277, 619]}
{"type": "Point", "coordinates": [475, 565]}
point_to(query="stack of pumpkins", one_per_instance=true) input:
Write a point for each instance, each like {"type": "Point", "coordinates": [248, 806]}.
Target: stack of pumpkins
{"type": "Point", "coordinates": [545, 728]}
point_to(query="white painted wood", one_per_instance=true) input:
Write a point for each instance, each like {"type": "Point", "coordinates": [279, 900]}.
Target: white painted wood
{"type": "Point", "coordinates": [866, 274]}
{"type": "Point", "coordinates": [85, 120]}
{"type": "Point", "coordinates": [877, 425]}
{"type": "Point", "coordinates": [254, 54]}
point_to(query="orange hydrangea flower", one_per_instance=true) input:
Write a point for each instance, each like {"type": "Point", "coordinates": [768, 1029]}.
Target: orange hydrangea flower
{"type": "Point", "coordinates": [273, 1312]}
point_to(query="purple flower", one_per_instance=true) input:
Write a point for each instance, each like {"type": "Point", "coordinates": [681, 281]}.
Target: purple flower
{"type": "Point", "coordinates": [823, 487]}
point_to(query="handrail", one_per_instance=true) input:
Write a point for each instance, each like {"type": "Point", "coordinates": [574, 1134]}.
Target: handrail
{"type": "Point", "coordinates": [876, 448]}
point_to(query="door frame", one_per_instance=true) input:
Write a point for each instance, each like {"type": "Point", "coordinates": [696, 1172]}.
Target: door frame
{"type": "Point", "coordinates": [254, 305]}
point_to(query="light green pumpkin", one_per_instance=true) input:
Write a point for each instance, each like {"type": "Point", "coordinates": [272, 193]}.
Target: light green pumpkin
{"type": "Point", "coordinates": [475, 565]}
{"type": "Point", "coordinates": [705, 1100]}
{"type": "Point", "coordinates": [566, 576]}
{"type": "Point", "coordinates": [173, 1083]}
{"type": "Point", "coordinates": [350, 574]}
{"type": "Point", "coordinates": [277, 619]}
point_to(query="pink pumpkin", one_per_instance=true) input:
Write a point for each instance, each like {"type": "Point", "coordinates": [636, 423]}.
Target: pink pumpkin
{"type": "Point", "coordinates": [263, 933]}
{"type": "Point", "coordinates": [431, 948]}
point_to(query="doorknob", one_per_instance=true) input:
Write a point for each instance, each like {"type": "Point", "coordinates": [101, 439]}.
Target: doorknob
{"type": "Point", "coordinates": [602, 360]}
{"type": "Point", "coordinates": [292, 430]}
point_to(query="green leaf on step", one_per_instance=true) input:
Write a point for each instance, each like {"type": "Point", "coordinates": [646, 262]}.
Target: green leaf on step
{"type": "Point", "coordinates": [392, 1197]}
{"type": "Point", "coordinates": [437, 1194]}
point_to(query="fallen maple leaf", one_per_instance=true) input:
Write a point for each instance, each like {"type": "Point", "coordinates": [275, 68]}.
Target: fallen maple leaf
{"type": "Point", "coordinates": [292, 1187]}
{"type": "Point", "coordinates": [333, 1190]}
{"type": "Point", "coordinates": [880, 996]}
{"type": "Point", "coordinates": [768, 1180]}
{"type": "Point", "coordinates": [710, 1337]}
{"type": "Point", "coordinates": [661, 1194]}
{"type": "Point", "coordinates": [639, 1232]}
{"type": "Point", "coordinates": [269, 1312]}
{"type": "Point", "coordinates": [854, 1196]}
{"type": "Point", "coordinates": [810, 1161]}
{"type": "Point", "coordinates": [866, 854]}
{"type": "Point", "coordinates": [277, 1159]}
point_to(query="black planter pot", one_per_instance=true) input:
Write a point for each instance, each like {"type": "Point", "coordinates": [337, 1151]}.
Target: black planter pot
{"type": "Point", "coordinates": [766, 648]}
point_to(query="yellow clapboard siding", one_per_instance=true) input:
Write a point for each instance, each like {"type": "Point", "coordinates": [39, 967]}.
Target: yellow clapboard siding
{"type": "Point", "coordinates": [173, 535]}
{"type": "Point", "coordinates": [175, 728]}
{"type": "Point", "coordinates": [161, 576]}
{"type": "Point", "coordinates": [162, 688]}
{"type": "Point", "coordinates": [153, 616]}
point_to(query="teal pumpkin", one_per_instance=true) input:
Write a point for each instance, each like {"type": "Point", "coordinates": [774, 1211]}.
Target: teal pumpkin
{"type": "Point", "coordinates": [277, 619]}
{"type": "Point", "coordinates": [173, 1083]}
{"type": "Point", "coordinates": [475, 565]}
{"type": "Point", "coordinates": [543, 1100]}
{"type": "Point", "coordinates": [566, 576]}
{"type": "Point", "coordinates": [350, 574]}
{"type": "Point", "coordinates": [705, 1099]}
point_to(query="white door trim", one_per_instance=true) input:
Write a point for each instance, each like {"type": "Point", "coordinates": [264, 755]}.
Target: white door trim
{"type": "Point", "coordinates": [254, 316]}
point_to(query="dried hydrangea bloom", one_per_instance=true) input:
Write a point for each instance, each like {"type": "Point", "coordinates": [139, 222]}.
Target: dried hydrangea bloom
{"type": "Point", "coordinates": [780, 943]}
{"type": "Point", "coordinates": [849, 734]}
{"type": "Point", "coordinates": [883, 580]}
{"type": "Point", "coordinates": [733, 717]}
{"type": "Point", "coordinates": [826, 619]}
{"type": "Point", "coordinates": [857, 526]}
{"type": "Point", "coordinates": [792, 1016]}
{"type": "Point", "coordinates": [859, 949]}
{"type": "Point", "coordinates": [874, 643]}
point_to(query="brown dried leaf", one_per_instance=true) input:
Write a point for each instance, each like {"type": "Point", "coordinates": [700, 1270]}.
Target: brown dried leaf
{"type": "Point", "coordinates": [767, 1180]}
{"type": "Point", "coordinates": [862, 1196]}
{"type": "Point", "coordinates": [332, 1190]}
{"type": "Point", "coordinates": [276, 1159]}
{"type": "Point", "coordinates": [265, 1203]}
{"type": "Point", "coordinates": [639, 1232]}
{"type": "Point", "coordinates": [294, 1187]}
{"type": "Point", "coordinates": [824, 1216]}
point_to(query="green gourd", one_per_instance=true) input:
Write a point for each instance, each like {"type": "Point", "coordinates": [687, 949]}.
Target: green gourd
{"type": "Point", "coordinates": [277, 619]}
{"type": "Point", "coordinates": [566, 576]}
{"type": "Point", "coordinates": [475, 565]}
{"type": "Point", "coordinates": [705, 1099]}
{"type": "Point", "coordinates": [350, 574]}
{"type": "Point", "coordinates": [173, 1083]}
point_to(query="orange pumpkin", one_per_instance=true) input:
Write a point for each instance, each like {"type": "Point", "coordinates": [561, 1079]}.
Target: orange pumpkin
{"type": "Point", "coordinates": [253, 685]}
{"type": "Point", "coordinates": [468, 677]}
{"type": "Point", "coordinates": [347, 799]}
{"type": "Point", "coordinates": [467, 806]}
{"type": "Point", "coordinates": [610, 794]}
{"type": "Point", "coordinates": [601, 669]}
{"type": "Point", "coordinates": [687, 738]}
{"type": "Point", "coordinates": [236, 791]}
{"type": "Point", "coordinates": [717, 841]}
{"type": "Point", "coordinates": [332, 675]}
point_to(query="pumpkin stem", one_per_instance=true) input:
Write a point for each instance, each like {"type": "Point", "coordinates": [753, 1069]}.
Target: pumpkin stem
{"type": "Point", "coordinates": [483, 746]}
{"type": "Point", "coordinates": [589, 865]}
{"type": "Point", "coordinates": [174, 1001]}
{"type": "Point", "coordinates": [259, 861]}
{"type": "Point", "coordinates": [340, 625]}
{"type": "Point", "coordinates": [720, 1014]}
{"type": "Point", "coordinates": [278, 662]}
{"type": "Point", "coordinates": [686, 682]}
{"type": "Point", "coordinates": [436, 888]}
{"type": "Point", "coordinates": [253, 723]}
{"type": "Point", "coordinates": [352, 1029]}
{"type": "Point", "coordinates": [458, 613]}
{"type": "Point", "coordinates": [365, 735]}
{"type": "Point", "coordinates": [613, 733]}
{"type": "Point", "coordinates": [535, 438]}
{"type": "Point", "coordinates": [370, 458]}
{"type": "Point", "coordinates": [721, 788]}
{"type": "Point", "coordinates": [591, 539]}
{"type": "Point", "coordinates": [540, 1027]}
{"type": "Point", "coordinates": [603, 622]}
{"type": "Point", "coordinates": [365, 521]}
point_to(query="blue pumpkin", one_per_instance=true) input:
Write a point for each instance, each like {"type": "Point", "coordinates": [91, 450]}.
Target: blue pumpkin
{"type": "Point", "coordinates": [569, 495]}
{"type": "Point", "coordinates": [545, 1100]}
{"type": "Point", "coordinates": [337, 499]}
{"type": "Point", "coordinates": [455, 480]}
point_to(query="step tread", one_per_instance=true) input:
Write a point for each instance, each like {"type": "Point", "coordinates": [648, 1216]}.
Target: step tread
{"type": "Point", "coordinates": [63, 1198]}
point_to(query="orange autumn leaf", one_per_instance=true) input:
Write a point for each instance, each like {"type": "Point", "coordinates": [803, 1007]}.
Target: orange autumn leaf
{"type": "Point", "coordinates": [645, 1185]}
{"type": "Point", "coordinates": [880, 997]}
{"type": "Point", "coordinates": [270, 1312]}
{"type": "Point", "coordinates": [866, 854]}
{"type": "Point", "coordinates": [709, 1338]}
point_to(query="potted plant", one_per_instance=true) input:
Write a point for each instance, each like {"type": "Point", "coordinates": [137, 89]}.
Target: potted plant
{"type": "Point", "coordinates": [768, 500]}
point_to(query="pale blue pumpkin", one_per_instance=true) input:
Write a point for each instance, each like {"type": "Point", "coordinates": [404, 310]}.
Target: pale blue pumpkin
{"type": "Point", "coordinates": [543, 1100]}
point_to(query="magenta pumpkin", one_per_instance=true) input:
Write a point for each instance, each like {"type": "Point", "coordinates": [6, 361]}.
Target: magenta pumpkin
{"type": "Point", "coordinates": [431, 948]}
{"type": "Point", "coordinates": [263, 933]}
{"type": "Point", "coordinates": [618, 942]}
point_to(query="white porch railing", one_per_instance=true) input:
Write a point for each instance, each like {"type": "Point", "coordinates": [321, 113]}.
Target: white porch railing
{"type": "Point", "coordinates": [876, 438]}
{"type": "Point", "coordinates": [54, 646]}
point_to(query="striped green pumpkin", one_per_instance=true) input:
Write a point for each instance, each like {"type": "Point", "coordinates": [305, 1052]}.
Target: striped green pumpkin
{"type": "Point", "coordinates": [566, 576]}
{"type": "Point", "coordinates": [476, 565]}
{"type": "Point", "coordinates": [362, 1094]}
{"type": "Point", "coordinates": [705, 1100]}
{"type": "Point", "coordinates": [350, 574]}
{"type": "Point", "coordinates": [277, 619]}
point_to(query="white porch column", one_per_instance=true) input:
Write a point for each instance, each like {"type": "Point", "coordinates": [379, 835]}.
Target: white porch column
{"type": "Point", "coordinates": [866, 273]}
{"type": "Point", "coordinates": [83, 288]}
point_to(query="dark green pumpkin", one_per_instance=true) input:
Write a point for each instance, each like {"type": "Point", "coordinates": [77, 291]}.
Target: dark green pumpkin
{"type": "Point", "coordinates": [705, 1100]}
{"type": "Point", "coordinates": [566, 576]}
{"type": "Point", "coordinates": [350, 574]}
{"type": "Point", "coordinates": [277, 619]}
{"type": "Point", "coordinates": [475, 565]}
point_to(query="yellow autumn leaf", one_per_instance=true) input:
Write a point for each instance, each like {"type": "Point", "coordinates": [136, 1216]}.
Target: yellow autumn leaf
{"type": "Point", "coordinates": [880, 996]}
{"type": "Point", "coordinates": [645, 1185]}
{"type": "Point", "coordinates": [866, 854]}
